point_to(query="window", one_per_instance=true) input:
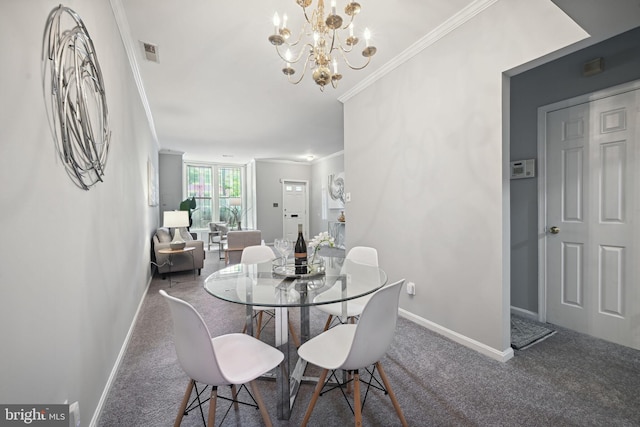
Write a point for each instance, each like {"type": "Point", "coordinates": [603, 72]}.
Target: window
{"type": "Point", "coordinates": [230, 195]}
{"type": "Point", "coordinates": [218, 191]}
{"type": "Point", "coordinates": [200, 186]}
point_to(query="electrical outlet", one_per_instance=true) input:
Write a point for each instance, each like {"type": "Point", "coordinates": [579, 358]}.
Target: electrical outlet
{"type": "Point", "coordinates": [411, 288]}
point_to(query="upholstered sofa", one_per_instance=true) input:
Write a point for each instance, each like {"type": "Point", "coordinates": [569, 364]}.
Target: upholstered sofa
{"type": "Point", "coordinates": [181, 262]}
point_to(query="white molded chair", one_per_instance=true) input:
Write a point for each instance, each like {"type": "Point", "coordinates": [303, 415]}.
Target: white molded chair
{"type": "Point", "coordinates": [254, 255]}
{"type": "Point", "coordinates": [363, 255]}
{"type": "Point", "coordinates": [232, 359]}
{"type": "Point", "coordinates": [356, 346]}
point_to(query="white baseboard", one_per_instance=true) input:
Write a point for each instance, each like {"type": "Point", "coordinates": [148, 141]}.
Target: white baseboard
{"type": "Point", "coordinates": [501, 356]}
{"type": "Point", "coordinates": [524, 313]}
{"type": "Point", "coordinates": [116, 366]}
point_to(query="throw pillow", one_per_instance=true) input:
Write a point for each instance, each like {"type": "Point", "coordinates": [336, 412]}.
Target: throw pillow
{"type": "Point", "coordinates": [163, 235]}
{"type": "Point", "coordinates": [186, 236]}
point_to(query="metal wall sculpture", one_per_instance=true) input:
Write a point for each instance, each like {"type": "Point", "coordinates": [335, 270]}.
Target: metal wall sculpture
{"type": "Point", "coordinates": [75, 97]}
{"type": "Point", "coordinates": [336, 191]}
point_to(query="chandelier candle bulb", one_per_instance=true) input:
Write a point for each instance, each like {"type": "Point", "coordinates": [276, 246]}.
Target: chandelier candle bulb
{"type": "Point", "coordinates": [367, 36]}
{"type": "Point", "coordinates": [276, 23]}
{"type": "Point", "coordinates": [351, 30]}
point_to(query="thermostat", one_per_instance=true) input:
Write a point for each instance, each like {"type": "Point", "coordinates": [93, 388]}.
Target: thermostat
{"type": "Point", "coordinates": [523, 169]}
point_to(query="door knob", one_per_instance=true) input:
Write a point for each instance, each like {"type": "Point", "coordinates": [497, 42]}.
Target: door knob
{"type": "Point", "coordinates": [554, 230]}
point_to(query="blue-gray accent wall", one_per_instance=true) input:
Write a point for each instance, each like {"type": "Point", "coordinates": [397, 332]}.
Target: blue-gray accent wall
{"type": "Point", "coordinates": [549, 83]}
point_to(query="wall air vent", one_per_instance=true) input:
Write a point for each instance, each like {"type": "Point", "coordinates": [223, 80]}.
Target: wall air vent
{"type": "Point", "coordinates": [150, 52]}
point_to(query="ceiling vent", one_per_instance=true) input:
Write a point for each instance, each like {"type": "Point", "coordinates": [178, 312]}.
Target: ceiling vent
{"type": "Point", "coordinates": [150, 52]}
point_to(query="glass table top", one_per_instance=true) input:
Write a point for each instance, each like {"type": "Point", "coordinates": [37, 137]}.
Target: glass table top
{"type": "Point", "coordinates": [271, 284]}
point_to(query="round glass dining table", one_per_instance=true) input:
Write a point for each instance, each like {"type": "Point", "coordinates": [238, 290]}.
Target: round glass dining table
{"type": "Point", "coordinates": [276, 287]}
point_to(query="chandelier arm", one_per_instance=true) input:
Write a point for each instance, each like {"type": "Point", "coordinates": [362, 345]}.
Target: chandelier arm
{"type": "Point", "coordinates": [302, 32]}
{"type": "Point", "coordinates": [304, 70]}
{"type": "Point", "coordinates": [333, 41]}
{"type": "Point", "coordinates": [350, 22]}
{"type": "Point", "coordinates": [304, 12]}
{"type": "Point", "coordinates": [346, 61]}
{"type": "Point", "coordinates": [341, 44]}
{"type": "Point", "coordinates": [297, 58]}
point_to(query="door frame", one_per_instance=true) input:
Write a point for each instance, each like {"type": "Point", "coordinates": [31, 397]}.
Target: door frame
{"type": "Point", "coordinates": [542, 177]}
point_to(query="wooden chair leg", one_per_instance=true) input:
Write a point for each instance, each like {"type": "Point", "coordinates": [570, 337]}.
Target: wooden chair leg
{"type": "Point", "coordinates": [211, 421]}
{"type": "Point", "coordinates": [183, 404]}
{"type": "Point", "coordinates": [357, 406]}
{"type": "Point", "coordinates": [326, 325]}
{"type": "Point", "coordinates": [234, 395]}
{"type": "Point", "coordinates": [259, 324]}
{"type": "Point", "coordinates": [392, 395]}
{"type": "Point", "coordinates": [294, 336]}
{"type": "Point", "coordinates": [314, 398]}
{"type": "Point", "coordinates": [263, 409]}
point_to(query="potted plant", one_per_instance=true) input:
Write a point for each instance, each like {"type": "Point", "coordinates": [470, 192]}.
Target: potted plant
{"type": "Point", "coordinates": [188, 205]}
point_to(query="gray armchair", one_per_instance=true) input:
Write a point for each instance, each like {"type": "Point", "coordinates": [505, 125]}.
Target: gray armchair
{"type": "Point", "coordinates": [237, 241]}
{"type": "Point", "coordinates": [218, 236]}
{"type": "Point", "coordinates": [161, 240]}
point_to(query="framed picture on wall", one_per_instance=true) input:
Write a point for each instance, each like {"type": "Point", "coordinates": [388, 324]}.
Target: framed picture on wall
{"type": "Point", "coordinates": [152, 182]}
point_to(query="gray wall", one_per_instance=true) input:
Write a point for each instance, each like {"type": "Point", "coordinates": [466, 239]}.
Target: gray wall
{"type": "Point", "coordinates": [425, 162]}
{"type": "Point", "coordinates": [75, 264]}
{"type": "Point", "coordinates": [170, 182]}
{"type": "Point", "coordinates": [269, 191]}
{"type": "Point", "coordinates": [549, 83]}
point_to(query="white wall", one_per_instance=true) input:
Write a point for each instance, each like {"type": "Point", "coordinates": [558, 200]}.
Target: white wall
{"type": "Point", "coordinates": [424, 164]}
{"type": "Point", "coordinates": [170, 180]}
{"type": "Point", "coordinates": [74, 263]}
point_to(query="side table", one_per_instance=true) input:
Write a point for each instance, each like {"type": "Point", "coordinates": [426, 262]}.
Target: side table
{"type": "Point", "coordinates": [172, 252]}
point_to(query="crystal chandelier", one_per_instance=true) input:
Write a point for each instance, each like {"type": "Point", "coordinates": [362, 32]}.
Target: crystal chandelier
{"type": "Point", "coordinates": [321, 53]}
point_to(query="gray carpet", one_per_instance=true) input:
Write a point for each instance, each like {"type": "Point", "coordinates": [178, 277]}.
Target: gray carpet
{"type": "Point", "coordinates": [568, 379]}
{"type": "Point", "coordinates": [527, 332]}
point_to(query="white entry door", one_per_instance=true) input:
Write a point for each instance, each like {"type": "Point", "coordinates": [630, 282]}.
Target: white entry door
{"type": "Point", "coordinates": [592, 219]}
{"type": "Point", "coordinates": [295, 207]}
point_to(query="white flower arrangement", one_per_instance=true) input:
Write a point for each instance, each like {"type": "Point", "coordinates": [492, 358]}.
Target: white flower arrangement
{"type": "Point", "coordinates": [322, 239]}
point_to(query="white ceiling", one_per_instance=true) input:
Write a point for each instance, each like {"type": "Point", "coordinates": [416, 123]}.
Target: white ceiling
{"type": "Point", "coordinates": [218, 89]}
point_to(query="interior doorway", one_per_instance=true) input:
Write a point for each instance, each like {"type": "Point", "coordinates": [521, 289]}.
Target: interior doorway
{"type": "Point", "coordinates": [295, 209]}
{"type": "Point", "coordinates": [589, 203]}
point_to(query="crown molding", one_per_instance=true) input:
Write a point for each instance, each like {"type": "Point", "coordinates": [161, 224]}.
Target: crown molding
{"type": "Point", "coordinates": [330, 156]}
{"type": "Point", "coordinates": [130, 47]}
{"type": "Point", "coordinates": [471, 10]}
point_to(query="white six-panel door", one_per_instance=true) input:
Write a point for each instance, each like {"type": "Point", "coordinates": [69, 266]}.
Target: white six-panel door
{"type": "Point", "coordinates": [592, 229]}
{"type": "Point", "coordinates": [294, 209]}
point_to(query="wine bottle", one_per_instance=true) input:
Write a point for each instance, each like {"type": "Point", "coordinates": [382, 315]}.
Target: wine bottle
{"type": "Point", "coordinates": [300, 253]}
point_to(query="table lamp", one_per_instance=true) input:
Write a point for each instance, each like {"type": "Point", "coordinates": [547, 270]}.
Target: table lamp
{"type": "Point", "coordinates": [176, 220]}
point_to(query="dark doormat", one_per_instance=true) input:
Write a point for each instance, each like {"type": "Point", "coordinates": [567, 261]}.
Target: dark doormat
{"type": "Point", "coordinates": [527, 332]}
